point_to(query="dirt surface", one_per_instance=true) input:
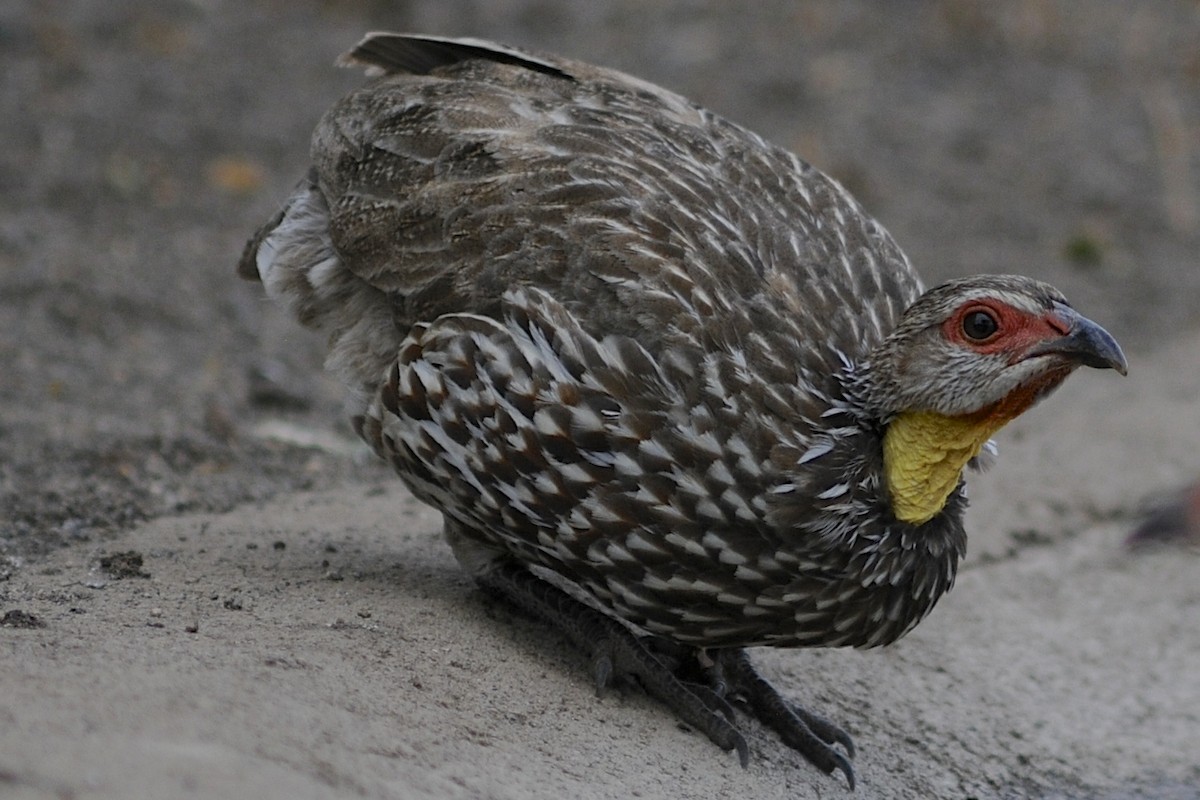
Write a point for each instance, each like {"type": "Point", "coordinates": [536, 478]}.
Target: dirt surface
{"type": "Point", "coordinates": [290, 624]}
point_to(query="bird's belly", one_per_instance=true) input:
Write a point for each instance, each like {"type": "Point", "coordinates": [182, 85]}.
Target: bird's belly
{"type": "Point", "coordinates": [692, 590]}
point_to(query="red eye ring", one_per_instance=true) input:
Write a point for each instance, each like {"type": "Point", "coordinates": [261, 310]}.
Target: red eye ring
{"type": "Point", "coordinates": [979, 324]}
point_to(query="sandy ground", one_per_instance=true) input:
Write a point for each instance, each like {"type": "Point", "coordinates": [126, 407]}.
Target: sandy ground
{"type": "Point", "coordinates": [297, 628]}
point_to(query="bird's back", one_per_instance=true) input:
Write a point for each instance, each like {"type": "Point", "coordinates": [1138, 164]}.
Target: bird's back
{"type": "Point", "coordinates": [643, 214]}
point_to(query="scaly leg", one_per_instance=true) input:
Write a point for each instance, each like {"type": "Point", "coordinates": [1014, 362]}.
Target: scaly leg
{"type": "Point", "coordinates": [811, 735]}
{"type": "Point", "coordinates": [617, 653]}
{"type": "Point", "coordinates": [698, 686]}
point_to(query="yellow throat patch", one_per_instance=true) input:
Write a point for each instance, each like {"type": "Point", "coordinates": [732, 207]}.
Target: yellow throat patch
{"type": "Point", "coordinates": [923, 458]}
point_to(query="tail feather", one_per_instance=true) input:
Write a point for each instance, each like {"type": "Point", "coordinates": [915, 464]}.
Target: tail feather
{"type": "Point", "coordinates": [384, 53]}
{"type": "Point", "coordinates": [247, 266]}
{"type": "Point", "coordinates": [295, 259]}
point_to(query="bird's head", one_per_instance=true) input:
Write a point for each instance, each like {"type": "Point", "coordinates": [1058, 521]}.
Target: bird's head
{"type": "Point", "coordinates": [967, 357]}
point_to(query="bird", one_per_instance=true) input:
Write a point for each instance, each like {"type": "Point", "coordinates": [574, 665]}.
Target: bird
{"type": "Point", "coordinates": [674, 391]}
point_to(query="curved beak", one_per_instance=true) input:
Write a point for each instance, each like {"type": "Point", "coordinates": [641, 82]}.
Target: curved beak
{"type": "Point", "coordinates": [1083, 342]}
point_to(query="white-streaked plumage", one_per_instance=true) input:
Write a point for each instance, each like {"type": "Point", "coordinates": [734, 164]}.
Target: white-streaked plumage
{"type": "Point", "coordinates": [634, 350]}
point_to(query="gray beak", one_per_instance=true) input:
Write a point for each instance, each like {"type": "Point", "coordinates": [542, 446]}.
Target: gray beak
{"type": "Point", "coordinates": [1085, 342]}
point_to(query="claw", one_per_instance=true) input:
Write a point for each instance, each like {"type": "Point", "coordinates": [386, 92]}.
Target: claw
{"type": "Point", "coordinates": [809, 734]}
{"type": "Point", "coordinates": [743, 751]}
{"type": "Point", "coordinates": [825, 730]}
{"type": "Point", "coordinates": [847, 769]}
{"type": "Point", "coordinates": [602, 672]}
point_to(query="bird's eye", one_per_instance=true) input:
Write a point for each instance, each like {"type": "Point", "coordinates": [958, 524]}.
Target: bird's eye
{"type": "Point", "coordinates": [979, 325]}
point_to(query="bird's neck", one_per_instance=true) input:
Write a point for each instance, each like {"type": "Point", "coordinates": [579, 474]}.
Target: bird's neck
{"type": "Point", "coordinates": [924, 454]}
{"type": "Point", "coordinates": [837, 496]}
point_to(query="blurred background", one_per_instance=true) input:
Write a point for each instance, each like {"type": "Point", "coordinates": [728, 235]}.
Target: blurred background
{"type": "Point", "coordinates": [141, 143]}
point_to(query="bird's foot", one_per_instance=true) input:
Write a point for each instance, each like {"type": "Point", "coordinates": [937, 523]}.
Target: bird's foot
{"type": "Point", "coordinates": [727, 677]}
{"type": "Point", "coordinates": [701, 687]}
{"type": "Point", "coordinates": [813, 736]}
{"type": "Point", "coordinates": [617, 653]}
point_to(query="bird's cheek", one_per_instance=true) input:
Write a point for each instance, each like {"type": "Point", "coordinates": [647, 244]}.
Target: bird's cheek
{"type": "Point", "coordinates": [1022, 396]}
